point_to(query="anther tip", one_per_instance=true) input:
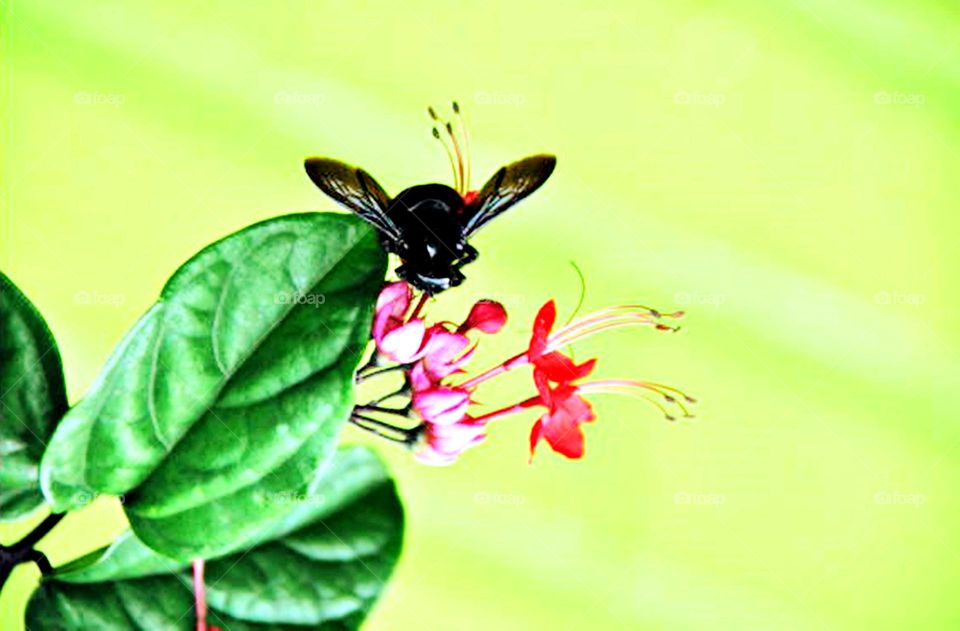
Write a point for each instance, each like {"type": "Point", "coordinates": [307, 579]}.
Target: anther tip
{"type": "Point", "coordinates": [436, 133]}
{"type": "Point", "coordinates": [456, 107]}
{"type": "Point", "coordinates": [690, 400]}
{"type": "Point", "coordinates": [432, 112]}
{"type": "Point", "coordinates": [671, 418]}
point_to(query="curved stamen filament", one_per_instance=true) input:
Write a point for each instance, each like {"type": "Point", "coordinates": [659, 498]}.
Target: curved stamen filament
{"type": "Point", "coordinates": [629, 388]}
{"type": "Point", "coordinates": [461, 188]}
{"type": "Point", "coordinates": [446, 149]}
{"type": "Point", "coordinates": [556, 342]}
{"type": "Point", "coordinates": [466, 144]}
{"type": "Point", "coordinates": [633, 312]}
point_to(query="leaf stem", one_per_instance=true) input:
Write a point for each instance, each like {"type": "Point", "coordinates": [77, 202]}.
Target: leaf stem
{"type": "Point", "coordinates": [386, 430]}
{"type": "Point", "coordinates": [364, 376]}
{"type": "Point", "coordinates": [23, 551]}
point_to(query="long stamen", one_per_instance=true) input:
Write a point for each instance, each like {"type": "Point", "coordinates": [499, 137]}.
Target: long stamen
{"type": "Point", "coordinates": [461, 188]}
{"type": "Point", "coordinates": [466, 144]}
{"type": "Point", "coordinates": [625, 315]}
{"type": "Point", "coordinates": [446, 149]}
{"type": "Point", "coordinates": [629, 388]}
{"type": "Point", "coordinates": [556, 344]}
{"type": "Point", "coordinates": [607, 319]}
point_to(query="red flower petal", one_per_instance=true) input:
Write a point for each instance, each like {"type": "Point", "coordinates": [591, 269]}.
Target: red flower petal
{"type": "Point", "coordinates": [542, 382]}
{"type": "Point", "coordinates": [535, 434]}
{"type": "Point", "coordinates": [563, 434]}
{"type": "Point", "coordinates": [561, 369]}
{"type": "Point", "coordinates": [487, 316]}
{"type": "Point", "coordinates": [542, 325]}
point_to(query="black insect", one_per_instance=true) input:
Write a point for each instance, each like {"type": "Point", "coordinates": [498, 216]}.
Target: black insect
{"type": "Point", "coordinates": [428, 225]}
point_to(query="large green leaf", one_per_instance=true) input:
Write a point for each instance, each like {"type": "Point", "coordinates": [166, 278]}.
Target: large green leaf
{"type": "Point", "coordinates": [32, 399]}
{"type": "Point", "coordinates": [324, 568]}
{"type": "Point", "coordinates": [232, 389]}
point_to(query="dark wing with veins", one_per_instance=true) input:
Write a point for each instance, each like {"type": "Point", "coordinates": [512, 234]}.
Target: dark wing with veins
{"type": "Point", "coordinates": [355, 189]}
{"type": "Point", "coordinates": [507, 187]}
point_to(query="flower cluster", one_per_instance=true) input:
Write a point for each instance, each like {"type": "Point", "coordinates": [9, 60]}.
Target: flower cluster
{"type": "Point", "coordinates": [434, 359]}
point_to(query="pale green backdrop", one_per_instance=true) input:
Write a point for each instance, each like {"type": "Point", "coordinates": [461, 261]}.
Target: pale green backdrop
{"type": "Point", "coordinates": [785, 171]}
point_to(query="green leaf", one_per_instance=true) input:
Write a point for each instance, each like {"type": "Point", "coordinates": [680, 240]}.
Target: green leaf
{"type": "Point", "coordinates": [324, 568]}
{"type": "Point", "coordinates": [32, 399]}
{"type": "Point", "coordinates": [231, 389]}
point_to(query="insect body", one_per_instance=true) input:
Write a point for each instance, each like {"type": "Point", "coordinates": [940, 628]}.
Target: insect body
{"type": "Point", "coordinates": [427, 226]}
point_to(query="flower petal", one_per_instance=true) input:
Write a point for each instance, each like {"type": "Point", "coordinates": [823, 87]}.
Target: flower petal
{"type": "Point", "coordinates": [392, 305]}
{"type": "Point", "coordinates": [564, 435]}
{"type": "Point", "coordinates": [486, 315]}
{"type": "Point", "coordinates": [403, 343]}
{"type": "Point", "coordinates": [542, 325]}
{"type": "Point", "coordinates": [561, 369]}
{"type": "Point", "coordinates": [395, 296]}
{"type": "Point", "coordinates": [535, 434]}
{"type": "Point", "coordinates": [441, 405]}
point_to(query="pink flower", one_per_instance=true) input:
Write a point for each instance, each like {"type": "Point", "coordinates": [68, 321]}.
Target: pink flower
{"type": "Point", "coordinates": [441, 405]}
{"type": "Point", "coordinates": [398, 338]}
{"type": "Point", "coordinates": [557, 377]}
{"type": "Point", "coordinates": [443, 444]}
{"type": "Point", "coordinates": [432, 355]}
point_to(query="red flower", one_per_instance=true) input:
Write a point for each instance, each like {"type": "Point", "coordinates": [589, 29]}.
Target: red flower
{"type": "Point", "coordinates": [431, 355]}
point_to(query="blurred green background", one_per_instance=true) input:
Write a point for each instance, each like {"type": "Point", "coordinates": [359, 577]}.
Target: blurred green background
{"type": "Point", "coordinates": [786, 172]}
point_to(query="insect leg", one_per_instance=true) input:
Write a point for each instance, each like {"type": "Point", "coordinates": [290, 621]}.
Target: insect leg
{"type": "Point", "coordinates": [470, 254]}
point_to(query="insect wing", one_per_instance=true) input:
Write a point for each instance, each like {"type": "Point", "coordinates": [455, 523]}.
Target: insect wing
{"type": "Point", "coordinates": [354, 189]}
{"type": "Point", "coordinates": [507, 187]}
